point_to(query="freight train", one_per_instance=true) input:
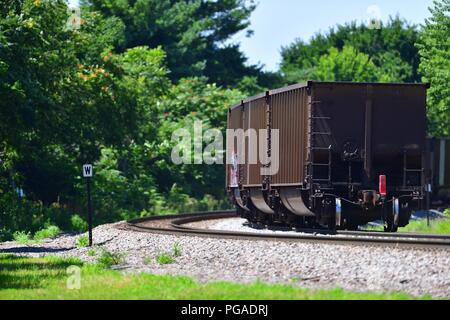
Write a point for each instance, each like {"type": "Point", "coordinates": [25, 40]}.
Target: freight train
{"type": "Point", "coordinates": [332, 155]}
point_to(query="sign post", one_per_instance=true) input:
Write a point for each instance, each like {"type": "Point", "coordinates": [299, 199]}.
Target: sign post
{"type": "Point", "coordinates": [87, 173]}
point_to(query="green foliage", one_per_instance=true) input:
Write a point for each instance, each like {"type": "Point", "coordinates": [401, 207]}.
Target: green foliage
{"type": "Point", "coordinates": [108, 259]}
{"type": "Point", "coordinates": [82, 242]}
{"type": "Point", "coordinates": [104, 94]}
{"type": "Point", "coordinates": [78, 224]}
{"type": "Point", "coordinates": [48, 232]}
{"type": "Point", "coordinates": [82, 102]}
{"type": "Point", "coordinates": [5, 235]}
{"type": "Point", "coordinates": [22, 237]}
{"type": "Point", "coordinates": [434, 49]}
{"type": "Point", "coordinates": [347, 65]}
{"type": "Point", "coordinates": [165, 258]}
{"type": "Point", "coordinates": [390, 49]}
{"type": "Point", "coordinates": [15, 214]}
{"type": "Point", "coordinates": [447, 212]}
{"type": "Point", "coordinates": [193, 33]}
{"type": "Point", "coordinates": [91, 252]}
{"type": "Point", "coordinates": [441, 226]}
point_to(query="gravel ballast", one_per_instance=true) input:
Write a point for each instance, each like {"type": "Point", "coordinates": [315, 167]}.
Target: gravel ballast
{"type": "Point", "coordinates": [312, 265]}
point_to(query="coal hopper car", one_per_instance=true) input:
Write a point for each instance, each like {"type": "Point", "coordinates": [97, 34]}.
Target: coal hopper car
{"type": "Point", "coordinates": [333, 155]}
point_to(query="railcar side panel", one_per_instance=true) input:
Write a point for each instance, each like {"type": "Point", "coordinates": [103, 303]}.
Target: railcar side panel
{"type": "Point", "coordinates": [290, 116]}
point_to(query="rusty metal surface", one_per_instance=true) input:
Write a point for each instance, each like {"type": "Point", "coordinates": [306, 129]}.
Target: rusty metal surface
{"type": "Point", "coordinates": [440, 161]}
{"type": "Point", "coordinates": [366, 117]}
{"type": "Point", "coordinates": [292, 200]}
{"type": "Point", "coordinates": [235, 121]}
{"type": "Point", "coordinates": [374, 118]}
{"type": "Point", "coordinates": [257, 197]}
{"type": "Point", "coordinates": [290, 117]}
{"type": "Point", "coordinates": [255, 117]}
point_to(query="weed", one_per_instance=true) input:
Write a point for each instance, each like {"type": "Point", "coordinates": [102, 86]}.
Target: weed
{"type": "Point", "coordinates": [108, 259]}
{"type": "Point", "coordinates": [82, 242]}
{"type": "Point", "coordinates": [165, 258]}
{"type": "Point", "coordinates": [22, 237]}
{"type": "Point", "coordinates": [91, 252]}
{"type": "Point", "coordinates": [147, 260]}
{"type": "Point", "coordinates": [176, 250]}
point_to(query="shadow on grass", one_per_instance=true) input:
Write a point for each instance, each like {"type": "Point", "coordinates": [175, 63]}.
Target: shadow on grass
{"type": "Point", "coordinates": [24, 273]}
{"type": "Point", "coordinates": [24, 249]}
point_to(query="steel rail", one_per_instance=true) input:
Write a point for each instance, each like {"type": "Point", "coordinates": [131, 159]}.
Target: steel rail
{"type": "Point", "coordinates": [176, 224]}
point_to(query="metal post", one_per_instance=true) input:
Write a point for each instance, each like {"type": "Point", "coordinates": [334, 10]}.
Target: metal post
{"type": "Point", "coordinates": [89, 202]}
{"type": "Point", "coordinates": [428, 205]}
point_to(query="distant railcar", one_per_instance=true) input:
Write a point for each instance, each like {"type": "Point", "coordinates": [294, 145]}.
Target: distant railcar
{"type": "Point", "coordinates": [349, 153]}
{"type": "Point", "coordinates": [440, 170]}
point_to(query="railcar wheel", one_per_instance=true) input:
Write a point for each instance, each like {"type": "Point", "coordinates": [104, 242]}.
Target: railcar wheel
{"type": "Point", "coordinates": [352, 226]}
{"type": "Point", "coordinates": [389, 225]}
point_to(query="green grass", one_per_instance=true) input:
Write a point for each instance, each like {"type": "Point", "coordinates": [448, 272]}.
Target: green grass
{"type": "Point", "coordinates": [46, 278]}
{"type": "Point", "coordinates": [441, 226]}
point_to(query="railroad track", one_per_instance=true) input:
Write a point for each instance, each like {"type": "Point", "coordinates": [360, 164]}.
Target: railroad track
{"type": "Point", "coordinates": [178, 224]}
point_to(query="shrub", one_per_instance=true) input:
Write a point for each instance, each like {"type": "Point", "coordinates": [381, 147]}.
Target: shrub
{"type": "Point", "coordinates": [447, 212]}
{"type": "Point", "coordinates": [108, 259]}
{"type": "Point", "coordinates": [82, 242]}
{"type": "Point", "coordinates": [5, 235]}
{"type": "Point", "coordinates": [22, 237]}
{"type": "Point", "coordinates": [78, 224]}
{"type": "Point", "coordinates": [48, 232]}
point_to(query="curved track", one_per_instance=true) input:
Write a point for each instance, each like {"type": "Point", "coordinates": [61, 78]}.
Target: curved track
{"type": "Point", "coordinates": [177, 224]}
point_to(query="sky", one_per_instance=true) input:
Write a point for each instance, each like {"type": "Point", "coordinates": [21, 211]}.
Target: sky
{"type": "Point", "coordinates": [278, 23]}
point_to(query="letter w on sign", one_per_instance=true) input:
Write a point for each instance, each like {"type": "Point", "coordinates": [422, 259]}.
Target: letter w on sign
{"type": "Point", "coordinates": [87, 170]}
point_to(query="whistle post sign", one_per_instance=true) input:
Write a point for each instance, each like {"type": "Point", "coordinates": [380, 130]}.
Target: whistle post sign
{"type": "Point", "coordinates": [87, 173]}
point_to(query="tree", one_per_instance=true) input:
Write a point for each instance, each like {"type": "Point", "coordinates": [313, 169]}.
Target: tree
{"type": "Point", "coordinates": [390, 48]}
{"type": "Point", "coordinates": [194, 34]}
{"type": "Point", "coordinates": [434, 49]}
{"type": "Point", "coordinates": [347, 65]}
{"type": "Point", "coordinates": [64, 95]}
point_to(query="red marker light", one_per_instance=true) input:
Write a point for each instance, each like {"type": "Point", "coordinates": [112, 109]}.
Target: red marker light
{"type": "Point", "coordinates": [382, 185]}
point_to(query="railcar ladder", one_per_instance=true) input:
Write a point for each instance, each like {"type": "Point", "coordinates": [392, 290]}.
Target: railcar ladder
{"type": "Point", "coordinates": [407, 170]}
{"type": "Point", "coordinates": [314, 147]}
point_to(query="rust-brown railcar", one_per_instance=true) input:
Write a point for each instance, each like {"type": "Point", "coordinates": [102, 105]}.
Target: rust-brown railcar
{"type": "Point", "coordinates": [349, 153]}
